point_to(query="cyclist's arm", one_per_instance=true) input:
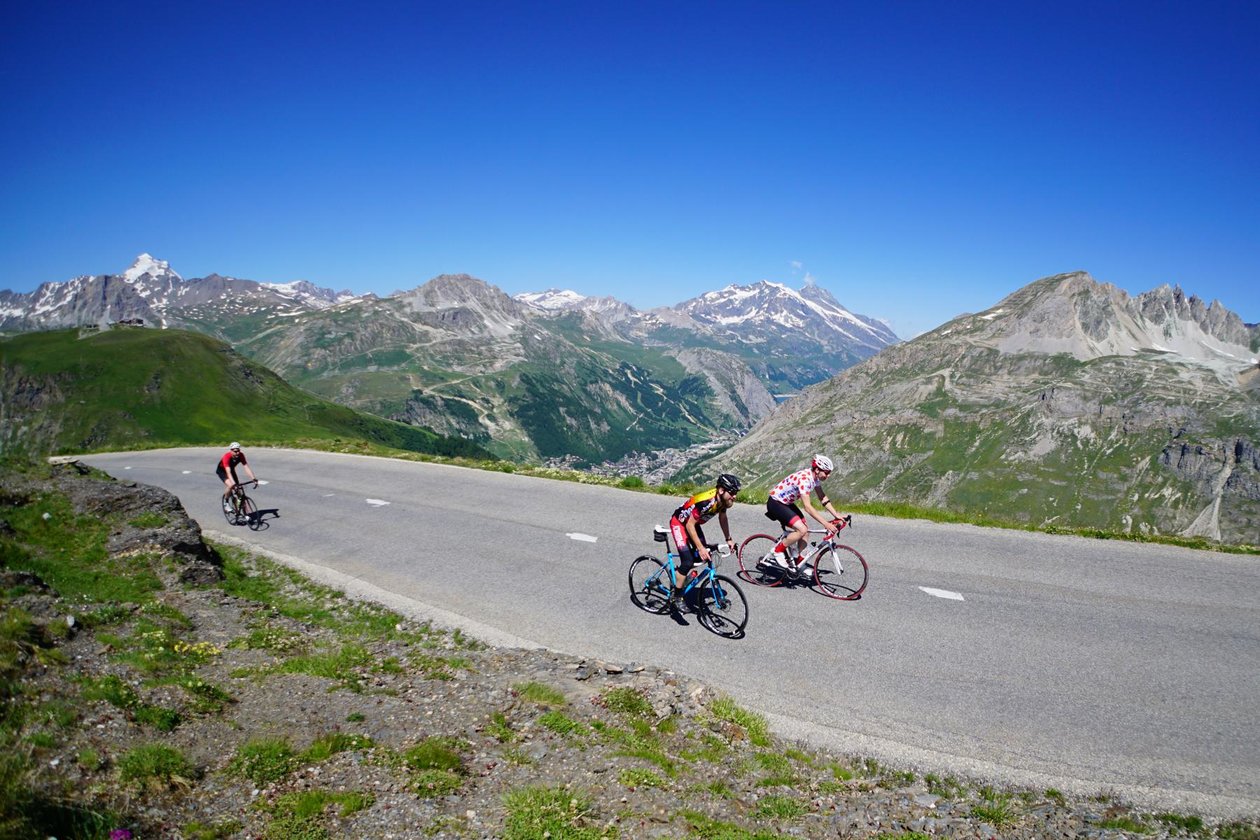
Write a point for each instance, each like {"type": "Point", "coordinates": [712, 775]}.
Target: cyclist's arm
{"type": "Point", "coordinates": [812, 511]}
{"type": "Point", "coordinates": [249, 470]}
{"type": "Point", "coordinates": [726, 530]}
{"type": "Point", "coordinates": [826, 503]}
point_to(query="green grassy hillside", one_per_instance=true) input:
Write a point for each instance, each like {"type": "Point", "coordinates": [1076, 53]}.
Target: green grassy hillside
{"type": "Point", "coordinates": [70, 391]}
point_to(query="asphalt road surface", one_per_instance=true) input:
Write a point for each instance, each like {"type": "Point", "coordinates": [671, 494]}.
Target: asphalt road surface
{"type": "Point", "coordinates": [1085, 665]}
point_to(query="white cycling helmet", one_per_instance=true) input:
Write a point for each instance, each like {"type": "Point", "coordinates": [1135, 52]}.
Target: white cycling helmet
{"type": "Point", "coordinates": [822, 462]}
{"type": "Point", "coordinates": [234, 445]}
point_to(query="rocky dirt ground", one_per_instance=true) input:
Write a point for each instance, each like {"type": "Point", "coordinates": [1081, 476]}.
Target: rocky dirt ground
{"type": "Point", "coordinates": [233, 698]}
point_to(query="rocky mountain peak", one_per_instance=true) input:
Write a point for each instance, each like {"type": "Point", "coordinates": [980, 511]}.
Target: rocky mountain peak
{"type": "Point", "coordinates": [153, 267]}
{"type": "Point", "coordinates": [467, 304]}
{"type": "Point", "coordinates": [1075, 314]}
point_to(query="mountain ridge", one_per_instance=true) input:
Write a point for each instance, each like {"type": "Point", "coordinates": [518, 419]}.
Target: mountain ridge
{"type": "Point", "coordinates": [540, 375]}
{"type": "Point", "coordinates": [1067, 402]}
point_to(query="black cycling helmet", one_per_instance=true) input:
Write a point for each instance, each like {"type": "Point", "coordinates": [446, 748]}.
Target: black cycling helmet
{"type": "Point", "coordinates": [729, 483]}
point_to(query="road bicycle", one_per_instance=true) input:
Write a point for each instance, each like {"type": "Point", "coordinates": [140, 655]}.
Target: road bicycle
{"type": "Point", "coordinates": [835, 570]}
{"type": "Point", "coordinates": [240, 509]}
{"type": "Point", "coordinates": [719, 603]}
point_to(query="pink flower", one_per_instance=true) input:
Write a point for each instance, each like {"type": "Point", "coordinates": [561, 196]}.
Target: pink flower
{"type": "Point", "coordinates": [120, 834]}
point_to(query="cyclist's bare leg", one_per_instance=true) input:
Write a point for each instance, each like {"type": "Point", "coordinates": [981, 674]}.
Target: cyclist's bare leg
{"type": "Point", "coordinates": [799, 531]}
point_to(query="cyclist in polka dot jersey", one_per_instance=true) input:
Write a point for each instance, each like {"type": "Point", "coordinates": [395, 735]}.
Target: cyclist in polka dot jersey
{"type": "Point", "coordinates": [782, 507]}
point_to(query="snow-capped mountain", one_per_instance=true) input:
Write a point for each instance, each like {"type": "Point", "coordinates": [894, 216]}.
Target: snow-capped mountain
{"type": "Point", "coordinates": [88, 299]}
{"type": "Point", "coordinates": [791, 338]}
{"type": "Point", "coordinates": [306, 293]}
{"type": "Point", "coordinates": [609, 309]}
{"type": "Point", "coordinates": [552, 300]}
{"type": "Point", "coordinates": [152, 292]}
{"type": "Point", "coordinates": [148, 266]}
{"type": "Point", "coordinates": [773, 308]}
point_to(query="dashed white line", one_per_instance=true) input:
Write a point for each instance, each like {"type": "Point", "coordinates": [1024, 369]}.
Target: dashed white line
{"type": "Point", "coordinates": [376, 502]}
{"type": "Point", "coordinates": [582, 537]}
{"type": "Point", "coordinates": [942, 593]}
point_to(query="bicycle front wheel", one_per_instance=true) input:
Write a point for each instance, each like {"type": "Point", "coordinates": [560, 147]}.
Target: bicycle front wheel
{"type": "Point", "coordinates": [751, 568]}
{"type": "Point", "coordinates": [722, 607]}
{"type": "Point", "coordinates": [249, 513]}
{"type": "Point", "coordinates": [841, 573]}
{"type": "Point", "coordinates": [650, 585]}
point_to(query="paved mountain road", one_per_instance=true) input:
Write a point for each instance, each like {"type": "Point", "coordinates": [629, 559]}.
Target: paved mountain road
{"type": "Point", "coordinates": [1079, 664]}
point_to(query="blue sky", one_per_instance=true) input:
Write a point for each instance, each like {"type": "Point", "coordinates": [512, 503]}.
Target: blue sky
{"type": "Point", "coordinates": [916, 159]}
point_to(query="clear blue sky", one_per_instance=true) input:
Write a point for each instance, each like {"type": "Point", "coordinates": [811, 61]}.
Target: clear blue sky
{"type": "Point", "coordinates": [918, 159]}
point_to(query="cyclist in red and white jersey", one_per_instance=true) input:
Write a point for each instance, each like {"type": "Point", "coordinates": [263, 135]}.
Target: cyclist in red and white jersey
{"type": "Point", "coordinates": [782, 507]}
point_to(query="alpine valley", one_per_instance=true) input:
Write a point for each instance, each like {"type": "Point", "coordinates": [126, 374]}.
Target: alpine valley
{"type": "Point", "coordinates": [541, 375]}
{"type": "Point", "coordinates": [1068, 403]}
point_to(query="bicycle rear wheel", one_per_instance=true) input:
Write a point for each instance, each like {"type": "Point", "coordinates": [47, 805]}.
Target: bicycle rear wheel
{"type": "Point", "coordinates": [841, 573]}
{"type": "Point", "coordinates": [249, 513]}
{"type": "Point", "coordinates": [751, 569]}
{"type": "Point", "coordinates": [229, 513]}
{"type": "Point", "coordinates": [722, 608]}
{"type": "Point", "coordinates": [649, 585]}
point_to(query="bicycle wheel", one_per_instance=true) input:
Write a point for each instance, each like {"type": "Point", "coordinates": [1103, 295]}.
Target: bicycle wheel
{"type": "Point", "coordinates": [722, 608]}
{"type": "Point", "coordinates": [750, 567]}
{"type": "Point", "coordinates": [228, 513]}
{"type": "Point", "coordinates": [249, 513]}
{"type": "Point", "coordinates": [649, 585]}
{"type": "Point", "coordinates": [840, 573]}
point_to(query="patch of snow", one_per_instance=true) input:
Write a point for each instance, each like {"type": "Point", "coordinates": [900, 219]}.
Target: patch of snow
{"type": "Point", "coordinates": [1218, 351]}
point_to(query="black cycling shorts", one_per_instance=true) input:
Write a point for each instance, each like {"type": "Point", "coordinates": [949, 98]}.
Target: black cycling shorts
{"type": "Point", "coordinates": [687, 556]}
{"type": "Point", "coordinates": [783, 513]}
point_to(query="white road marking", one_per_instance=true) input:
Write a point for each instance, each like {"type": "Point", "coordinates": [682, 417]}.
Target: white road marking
{"type": "Point", "coordinates": [582, 537]}
{"type": "Point", "coordinates": [376, 502]}
{"type": "Point", "coordinates": [187, 472]}
{"type": "Point", "coordinates": [263, 482]}
{"type": "Point", "coordinates": [942, 593]}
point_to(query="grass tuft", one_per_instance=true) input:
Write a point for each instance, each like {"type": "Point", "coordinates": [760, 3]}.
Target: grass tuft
{"type": "Point", "coordinates": [724, 708]}
{"type": "Point", "coordinates": [555, 813]}
{"type": "Point", "coordinates": [264, 760]}
{"type": "Point", "coordinates": [155, 763]}
{"type": "Point", "coordinates": [626, 701]}
{"type": "Point", "coordinates": [540, 694]}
